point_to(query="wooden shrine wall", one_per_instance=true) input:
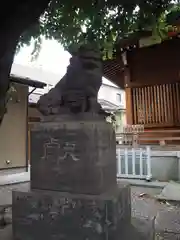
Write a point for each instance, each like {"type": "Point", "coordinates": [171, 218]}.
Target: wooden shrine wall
{"type": "Point", "coordinates": [156, 64]}
{"type": "Point", "coordinates": [154, 106]}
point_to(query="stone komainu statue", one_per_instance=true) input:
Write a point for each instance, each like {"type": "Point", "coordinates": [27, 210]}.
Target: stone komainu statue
{"type": "Point", "coordinates": [77, 91]}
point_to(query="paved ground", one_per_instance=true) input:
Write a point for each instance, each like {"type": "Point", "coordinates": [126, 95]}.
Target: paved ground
{"type": "Point", "coordinates": [6, 192]}
{"type": "Point", "coordinates": [144, 205]}
{"type": "Point", "coordinates": [144, 208]}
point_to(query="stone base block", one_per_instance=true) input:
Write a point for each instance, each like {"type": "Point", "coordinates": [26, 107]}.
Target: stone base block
{"type": "Point", "coordinates": [73, 156]}
{"type": "Point", "coordinates": [63, 216]}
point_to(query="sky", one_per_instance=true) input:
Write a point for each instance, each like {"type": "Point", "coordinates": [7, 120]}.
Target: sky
{"type": "Point", "coordinates": [52, 58]}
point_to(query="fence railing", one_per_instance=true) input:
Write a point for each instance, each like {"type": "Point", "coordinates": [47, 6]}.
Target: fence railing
{"type": "Point", "coordinates": [161, 137]}
{"type": "Point", "coordinates": [133, 162]}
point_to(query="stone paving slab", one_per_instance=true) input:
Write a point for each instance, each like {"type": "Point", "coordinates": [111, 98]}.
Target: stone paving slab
{"type": "Point", "coordinates": [171, 192]}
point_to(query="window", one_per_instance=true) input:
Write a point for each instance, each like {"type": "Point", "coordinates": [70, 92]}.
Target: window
{"type": "Point", "coordinates": [119, 99]}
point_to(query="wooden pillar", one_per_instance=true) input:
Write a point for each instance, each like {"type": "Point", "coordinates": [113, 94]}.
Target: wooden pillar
{"type": "Point", "coordinates": [129, 107]}
{"type": "Point", "coordinates": [128, 91]}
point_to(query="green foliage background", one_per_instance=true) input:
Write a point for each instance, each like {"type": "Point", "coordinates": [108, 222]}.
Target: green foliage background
{"type": "Point", "coordinates": [103, 22]}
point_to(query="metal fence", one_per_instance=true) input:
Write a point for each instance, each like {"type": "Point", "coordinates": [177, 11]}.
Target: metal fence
{"type": "Point", "coordinates": [133, 162]}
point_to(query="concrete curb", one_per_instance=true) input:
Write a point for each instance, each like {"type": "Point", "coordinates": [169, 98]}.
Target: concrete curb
{"type": "Point", "coordinates": [144, 183]}
{"type": "Point", "coordinates": [23, 177]}
{"type": "Point", "coordinates": [15, 178]}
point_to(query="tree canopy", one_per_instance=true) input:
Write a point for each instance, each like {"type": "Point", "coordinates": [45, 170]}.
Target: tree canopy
{"type": "Point", "coordinates": [100, 21]}
{"type": "Point", "coordinates": [71, 23]}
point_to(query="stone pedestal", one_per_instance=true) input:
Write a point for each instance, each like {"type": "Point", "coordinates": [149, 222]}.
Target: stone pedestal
{"type": "Point", "coordinates": [74, 194]}
{"type": "Point", "coordinates": [54, 216]}
{"type": "Point", "coordinates": [73, 156]}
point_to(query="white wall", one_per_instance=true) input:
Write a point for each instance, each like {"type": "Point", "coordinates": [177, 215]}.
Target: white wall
{"type": "Point", "coordinates": [109, 93]}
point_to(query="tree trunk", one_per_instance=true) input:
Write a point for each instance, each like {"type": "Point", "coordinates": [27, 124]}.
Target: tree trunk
{"type": "Point", "coordinates": [7, 50]}
{"type": "Point", "coordinates": [15, 17]}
